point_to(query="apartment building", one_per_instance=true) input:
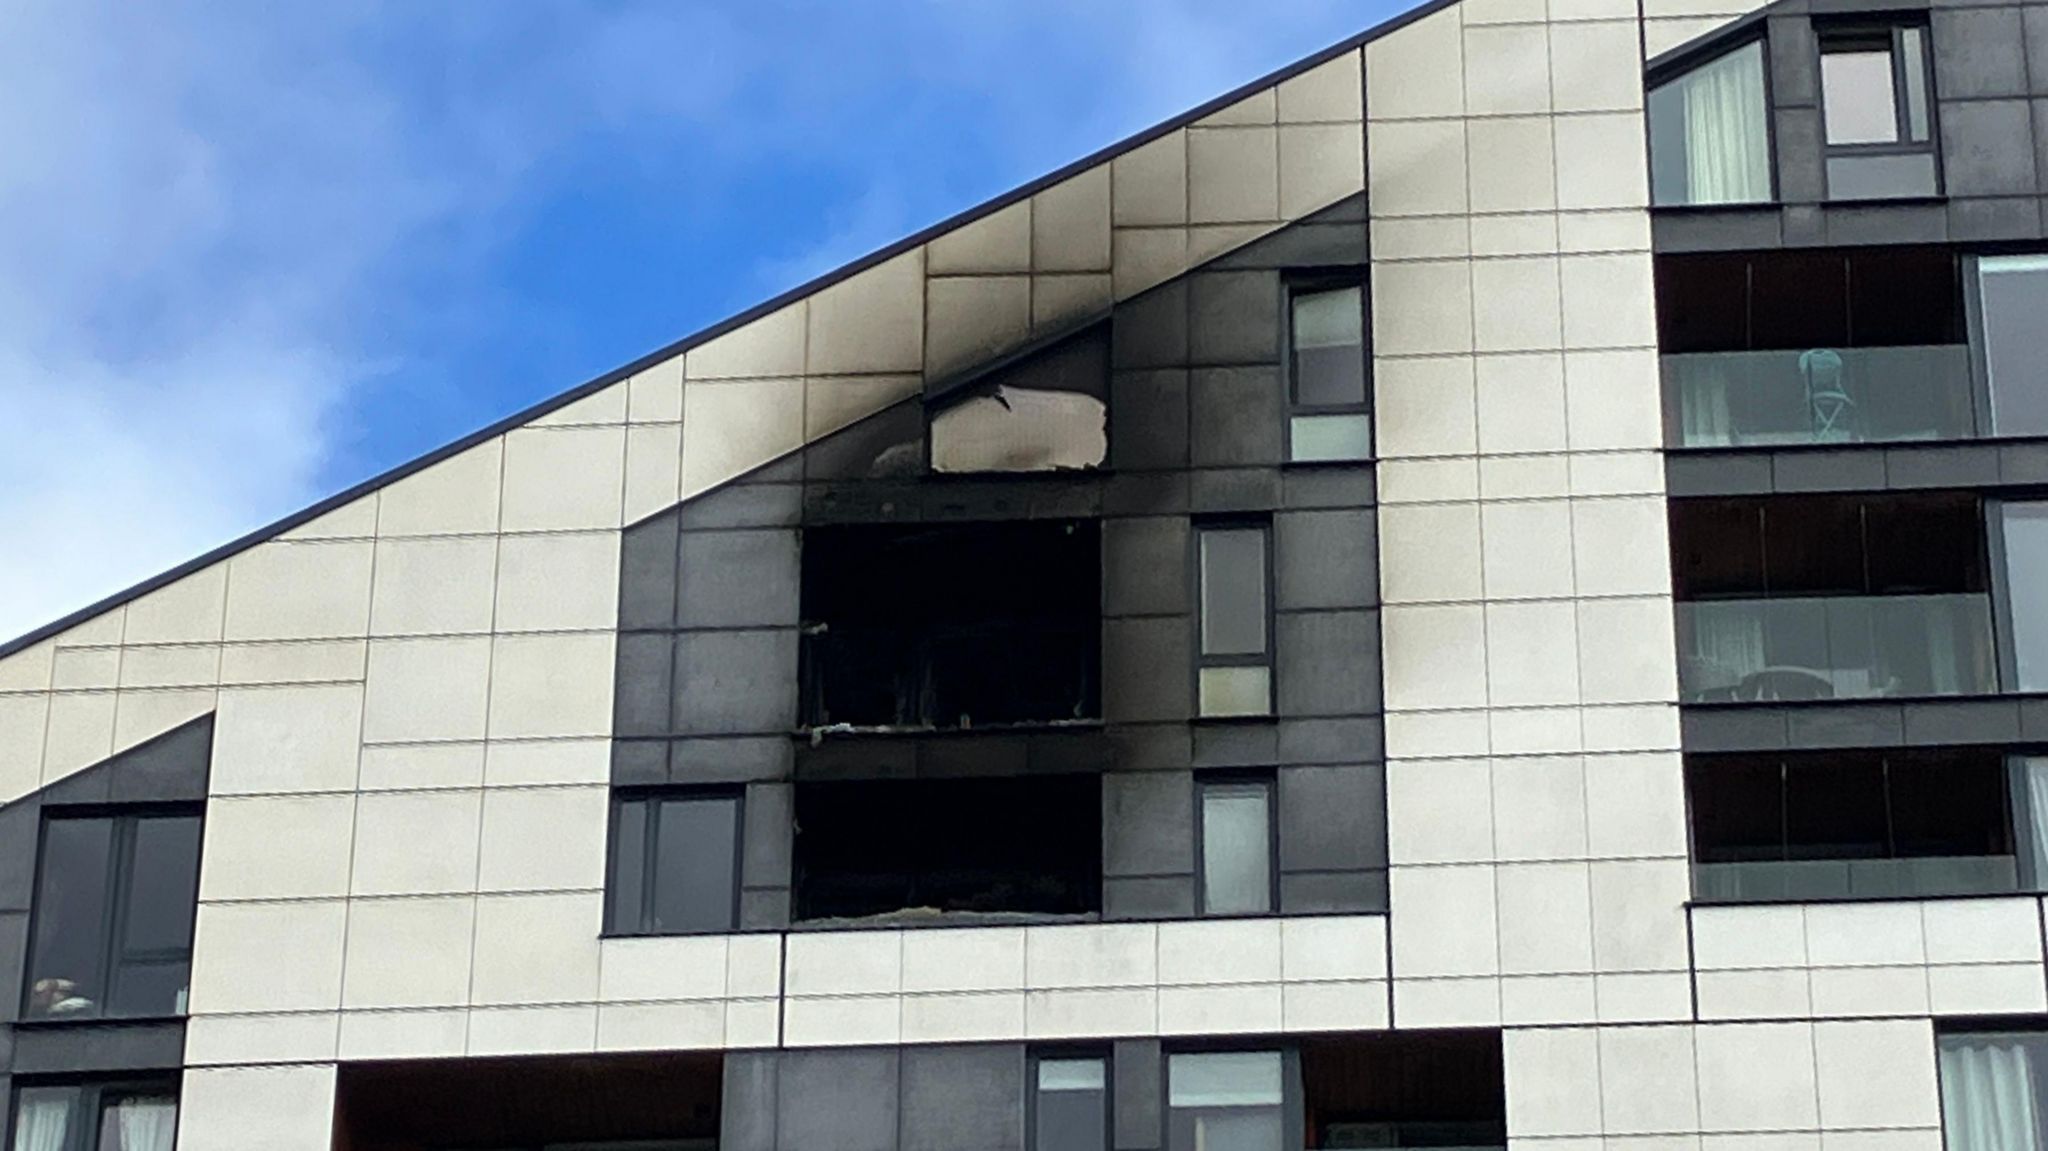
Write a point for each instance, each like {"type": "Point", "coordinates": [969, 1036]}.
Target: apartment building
{"type": "Point", "coordinates": [1490, 587]}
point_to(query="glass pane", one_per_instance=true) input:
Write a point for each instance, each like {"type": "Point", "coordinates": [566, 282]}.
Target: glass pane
{"type": "Point", "coordinates": [1234, 591]}
{"type": "Point", "coordinates": [1708, 141]}
{"type": "Point", "coordinates": [1988, 1100]}
{"type": "Point", "coordinates": [1072, 1106]}
{"type": "Point", "coordinates": [2013, 294]}
{"type": "Point", "coordinates": [1858, 104]}
{"type": "Point", "coordinates": [139, 1123]}
{"type": "Point", "coordinates": [1334, 437]}
{"type": "Point", "coordinates": [71, 912]}
{"type": "Point", "coordinates": [1913, 45]}
{"type": "Point", "coordinates": [626, 884]}
{"type": "Point", "coordinates": [2026, 588]}
{"type": "Point", "coordinates": [1329, 347]}
{"type": "Point", "coordinates": [1881, 177]}
{"type": "Point", "coordinates": [43, 1117]}
{"type": "Point", "coordinates": [1224, 1079]}
{"type": "Point", "coordinates": [1237, 875]}
{"type": "Point", "coordinates": [694, 879]}
{"type": "Point", "coordinates": [163, 885]}
{"type": "Point", "coordinates": [1233, 691]}
{"type": "Point", "coordinates": [2032, 785]}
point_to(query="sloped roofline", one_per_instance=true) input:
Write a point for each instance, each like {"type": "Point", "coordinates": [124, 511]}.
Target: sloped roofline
{"type": "Point", "coordinates": [660, 355]}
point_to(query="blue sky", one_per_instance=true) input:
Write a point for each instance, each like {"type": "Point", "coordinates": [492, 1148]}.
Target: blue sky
{"type": "Point", "coordinates": [251, 254]}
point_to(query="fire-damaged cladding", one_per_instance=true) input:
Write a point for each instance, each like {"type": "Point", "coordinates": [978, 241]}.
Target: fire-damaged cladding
{"type": "Point", "coordinates": [1091, 631]}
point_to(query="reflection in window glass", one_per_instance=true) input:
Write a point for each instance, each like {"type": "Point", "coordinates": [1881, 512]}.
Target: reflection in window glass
{"type": "Point", "coordinates": [1858, 103]}
{"type": "Point", "coordinates": [1237, 848]}
{"type": "Point", "coordinates": [1225, 1101]}
{"type": "Point", "coordinates": [674, 865]}
{"type": "Point", "coordinates": [1072, 1105]}
{"type": "Point", "coordinates": [2026, 589]}
{"type": "Point", "coordinates": [2012, 301]}
{"type": "Point", "coordinates": [114, 909]}
{"type": "Point", "coordinates": [1331, 419]}
{"type": "Point", "coordinates": [1709, 143]}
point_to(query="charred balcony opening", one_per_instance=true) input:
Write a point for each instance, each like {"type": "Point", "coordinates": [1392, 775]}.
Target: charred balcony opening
{"type": "Point", "coordinates": [919, 848]}
{"type": "Point", "coordinates": [635, 1103]}
{"type": "Point", "coordinates": [921, 627]}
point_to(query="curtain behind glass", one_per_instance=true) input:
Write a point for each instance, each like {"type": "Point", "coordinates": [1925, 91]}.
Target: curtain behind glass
{"type": "Point", "coordinates": [2034, 778]}
{"type": "Point", "coordinates": [42, 1118]}
{"type": "Point", "coordinates": [1987, 1094]}
{"type": "Point", "coordinates": [1726, 145]}
{"type": "Point", "coordinates": [145, 1124]}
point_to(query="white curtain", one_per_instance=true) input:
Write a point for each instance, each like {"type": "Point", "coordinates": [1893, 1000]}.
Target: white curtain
{"type": "Point", "coordinates": [41, 1123]}
{"type": "Point", "coordinates": [1727, 643]}
{"type": "Point", "coordinates": [2036, 777]}
{"type": "Point", "coordinates": [1726, 158]}
{"type": "Point", "coordinates": [147, 1124]}
{"type": "Point", "coordinates": [1987, 1094]}
{"type": "Point", "coordinates": [1703, 418]}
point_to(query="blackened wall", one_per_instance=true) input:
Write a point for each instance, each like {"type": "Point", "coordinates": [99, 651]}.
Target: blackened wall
{"type": "Point", "coordinates": [710, 595]}
{"type": "Point", "coordinates": [1991, 91]}
{"type": "Point", "coordinates": [169, 769]}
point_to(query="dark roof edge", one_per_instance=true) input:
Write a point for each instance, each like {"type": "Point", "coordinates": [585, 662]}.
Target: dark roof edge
{"type": "Point", "coordinates": [817, 284]}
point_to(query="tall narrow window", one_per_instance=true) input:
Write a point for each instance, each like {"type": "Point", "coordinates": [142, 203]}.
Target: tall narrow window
{"type": "Point", "coordinates": [1331, 418]}
{"type": "Point", "coordinates": [1225, 1101]}
{"type": "Point", "coordinates": [1709, 143]}
{"type": "Point", "coordinates": [674, 865]}
{"type": "Point", "coordinates": [1237, 846]}
{"type": "Point", "coordinates": [2012, 297]}
{"type": "Point", "coordinates": [1070, 1105]}
{"type": "Point", "coordinates": [2030, 818]}
{"type": "Point", "coordinates": [113, 915]}
{"type": "Point", "coordinates": [1876, 112]}
{"type": "Point", "coordinates": [2026, 593]}
{"type": "Point", "coordinates": [95, 1117]}
{"type": "Point", "coordinates": [1236, 673]}
{"type": "Point", "coordinates": [1991, 1087]}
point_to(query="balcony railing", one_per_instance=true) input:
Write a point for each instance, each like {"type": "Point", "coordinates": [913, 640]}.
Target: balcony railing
{"type": "Point", "coordinates": [1835, 647]}
{"type": "Point", "coordinates": [1817, 879]}
{"type": "Point", "coordinates": [1818, 396]}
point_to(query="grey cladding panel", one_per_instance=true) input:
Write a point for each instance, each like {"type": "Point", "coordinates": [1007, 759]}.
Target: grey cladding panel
{"type": "Point", "coordinates": [1139, 1073]}
{"type": "Point", "coordinates": [1328, 662]}
{"type": "Point", "coordinates": [963, 1098]}
{"type": "Point", "coordinates": [838, 1101]}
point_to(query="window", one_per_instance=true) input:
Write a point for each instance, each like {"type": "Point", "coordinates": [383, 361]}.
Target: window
{"type": "Point", "coordinates": [113, 916]}
{"type": "Point", "coordinates": [951, 625]}
{"type": "Point", "coordinates": [674, 864]}
{"type": "Point", "coordinates": [1331, 416]}
{"type": "Point", "coordinates": [2012, 296]}
{"type": "Point", "coordinates": [1225, 1101]}
{"type": "Point", "coordinates": [1236, 673]}
{"type": "Point", "coordinates": [1709, 143]}
{"type": "Point", "coordinates": [1992, 1090]}
{"type": "Point", "coordinates": [1851, 824]}
{"type": "Point", "coordinates": [2025, 538]}
{"type": "Point", "coordinates": [1876, 112]}
{"type": "Point", "coordinates": [1027, 843]}
{"type": "Point", "coordinates": [95, 1117]}
{"type": "Point", "coordinates": [1070, 1105]}
{"type": "Point", "coordinates": [1237, 846]}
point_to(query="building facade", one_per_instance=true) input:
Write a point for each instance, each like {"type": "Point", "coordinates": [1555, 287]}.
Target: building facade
{"type": "Point", "coordinates": [1486, 588]}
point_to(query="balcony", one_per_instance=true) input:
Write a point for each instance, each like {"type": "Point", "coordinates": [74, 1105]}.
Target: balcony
{"type": "Point", "coordinates": [1835, 647]}
{"type": "Point", "coordinates": [1818, 396]}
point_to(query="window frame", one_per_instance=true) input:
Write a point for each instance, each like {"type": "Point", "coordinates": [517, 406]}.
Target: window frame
{"type": "Point", "coordinates": [1293, 1119]}
{"type": "Point", "coordinates": [2004, 625]}
{"type": "Point", "coordinates": [1308, 283]}
{"type": "Point", "coordinates": [1036, 1055]}
{"type": "Point", "coordinates": [1270, 784]}
{"type": "Point", "coordinates": [1904, 145]}
{"type": "Point", "coordinates": [114, 915]}
{"type": "Point", "coordinates": [1678, 67]}
{"type": "Point", "coordinates": [1267, 659]}
{"type": "Point", "coordinates": [90, 1099]}
{"type": "Point", "coordinates": [1983, 394]}
{"type": "Point", "coordinates": [654, 797]}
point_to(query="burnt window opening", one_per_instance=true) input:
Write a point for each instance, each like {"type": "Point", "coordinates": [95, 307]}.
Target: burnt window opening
{"type": "Point", "coordinates": [1022, 844]}
{"type": "Point", "coordinates": [1851, 824]}
{"type": "Point", "coordinates": [1397, 1091]}
{"type": "Point", "coordinates": [1047, 410]}
{"type": "Point", "coordinates": [952, 626]}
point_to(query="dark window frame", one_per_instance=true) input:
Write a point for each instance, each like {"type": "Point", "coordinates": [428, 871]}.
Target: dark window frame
{"type": "Point", "coordinates": [114, 915]}
{"type": "Point", "coordinates": [1230, 777]}
{"type": "Point", "coordinates": [654, 798]}
{"type": "Point", "coordinates": [1676, 68]}
{"type": "Point", "coordinates": [1867, 33]}
{"type": "Point", "coordinates": [1310, 282]}
{"type": "Point", "coordinates": [91, 1099]}
{"type": "Point", "coordinates": [2004, 631]}
{"type": "Point", "coordinates": [1059, 1054]}
{"type": "Point", "coordinates": [1982, 397]}
{"type": "Point", "coordinates": [1267, 659]}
